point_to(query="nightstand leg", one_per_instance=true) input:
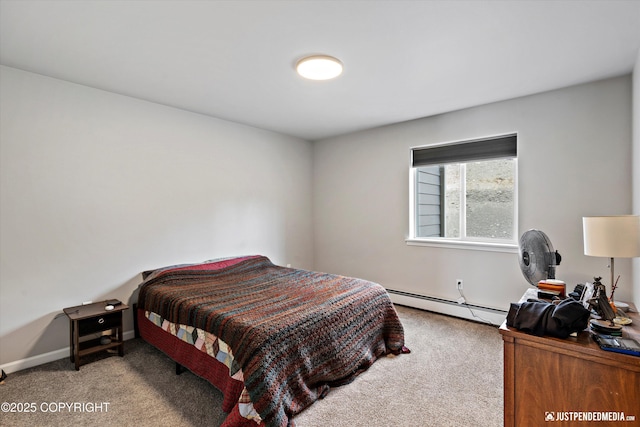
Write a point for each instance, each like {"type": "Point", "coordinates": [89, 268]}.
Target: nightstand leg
{"type": "Point", "coordinates": [71, 329]}
{"type": "Point", "coordinates": [120, 340]}
{"type": "Point", "coordinates": [76, 345]}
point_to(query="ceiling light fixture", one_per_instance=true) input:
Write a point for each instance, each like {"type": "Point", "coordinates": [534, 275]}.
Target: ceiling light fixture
{"type": "Point", "coordinates": [319, 67]}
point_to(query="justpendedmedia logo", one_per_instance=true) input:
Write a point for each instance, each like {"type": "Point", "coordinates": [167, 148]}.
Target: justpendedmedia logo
{"type": "Point", "coordinates": [588, 416]}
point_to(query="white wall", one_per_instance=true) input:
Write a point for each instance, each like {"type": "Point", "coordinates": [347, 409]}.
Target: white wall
{"type": "Point", "coordinates": [574, 159]}
{"type": "Point", "coordinates": [97, 187]}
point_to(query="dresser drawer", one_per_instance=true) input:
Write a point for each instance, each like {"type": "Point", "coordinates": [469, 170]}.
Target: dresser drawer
{"type": "Point", "coordinates": [99, 323]}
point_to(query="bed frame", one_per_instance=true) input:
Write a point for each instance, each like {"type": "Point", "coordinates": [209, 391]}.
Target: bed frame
{"type": "Point", "coordinates": [187, 357]}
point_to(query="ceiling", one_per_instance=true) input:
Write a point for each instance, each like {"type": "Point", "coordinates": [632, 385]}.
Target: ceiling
{"type": "Point", "coordinates": [402, 59]}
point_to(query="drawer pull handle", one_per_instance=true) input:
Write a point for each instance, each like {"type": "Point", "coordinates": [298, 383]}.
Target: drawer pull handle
{"type": "Point", "coordinates": [101, 320]}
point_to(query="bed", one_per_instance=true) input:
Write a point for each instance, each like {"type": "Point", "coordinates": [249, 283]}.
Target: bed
{"type": "Point", "coordinates": [272, 339]}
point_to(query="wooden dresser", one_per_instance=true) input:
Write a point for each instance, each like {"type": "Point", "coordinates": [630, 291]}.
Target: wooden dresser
{"type": "Point", "coordinates": [569, 382]}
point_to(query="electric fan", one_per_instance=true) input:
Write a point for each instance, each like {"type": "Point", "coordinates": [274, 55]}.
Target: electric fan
{"type": "Point", "coordinates": [538, 260]}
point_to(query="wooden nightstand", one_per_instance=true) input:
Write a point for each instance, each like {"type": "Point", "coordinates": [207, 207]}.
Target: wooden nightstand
{"type": "Point", "coordinates": [91, 319]}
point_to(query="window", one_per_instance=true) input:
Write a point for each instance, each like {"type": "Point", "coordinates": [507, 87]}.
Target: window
{"type": "Point", "coordinates": [465, 192]}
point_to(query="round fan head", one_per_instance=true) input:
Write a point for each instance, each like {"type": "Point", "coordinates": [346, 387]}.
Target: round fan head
{"type": "Point", "coordinates": [537, 257]}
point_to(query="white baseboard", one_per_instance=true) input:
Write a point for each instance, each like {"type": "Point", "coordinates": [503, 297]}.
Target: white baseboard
{"type": "Point", "coordinates": [451, 308]}
{"type": "Point", "coordinates": [51, 356]}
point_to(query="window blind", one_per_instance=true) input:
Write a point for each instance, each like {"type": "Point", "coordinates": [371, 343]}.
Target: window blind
{"type": "Point", "coordinates": [468, 151]}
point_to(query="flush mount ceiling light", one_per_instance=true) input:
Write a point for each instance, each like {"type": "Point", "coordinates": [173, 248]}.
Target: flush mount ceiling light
{"type": "Point", "coordinates": [319, 67]}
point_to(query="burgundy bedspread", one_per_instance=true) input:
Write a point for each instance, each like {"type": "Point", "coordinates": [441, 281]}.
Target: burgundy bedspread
{"type": "Point", "coordinates": [294, 333]}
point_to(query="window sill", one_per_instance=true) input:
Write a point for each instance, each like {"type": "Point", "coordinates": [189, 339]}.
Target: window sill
{"type": "Point", "coordinates": [464, 245]}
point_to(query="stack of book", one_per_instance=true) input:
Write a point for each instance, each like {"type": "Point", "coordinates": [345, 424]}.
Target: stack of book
{"type": "Point", "coordinates": [547, 289]}
{"type": "Point", "coordinates": [617, 344]}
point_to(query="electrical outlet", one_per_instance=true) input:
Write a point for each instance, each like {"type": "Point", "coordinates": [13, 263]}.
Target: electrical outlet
{"type": "Point", "coordinates": [459, 284]}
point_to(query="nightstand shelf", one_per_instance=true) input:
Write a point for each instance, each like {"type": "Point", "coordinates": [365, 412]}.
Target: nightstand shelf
{"type": "Point", "coordinates": [91, 319]}
{"type": "Point", "coordinates": [94, 346]}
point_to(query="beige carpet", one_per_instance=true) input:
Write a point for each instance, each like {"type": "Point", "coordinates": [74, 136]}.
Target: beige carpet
{"type": "Point", "coordinates": [453, 377]}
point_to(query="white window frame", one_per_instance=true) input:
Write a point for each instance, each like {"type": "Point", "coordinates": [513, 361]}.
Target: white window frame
{"type": "Point", "coordinates": [462, 242]}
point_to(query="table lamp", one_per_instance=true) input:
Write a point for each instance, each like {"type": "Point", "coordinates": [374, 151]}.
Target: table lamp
{"type": "Point", "coordinates": [612, 237]}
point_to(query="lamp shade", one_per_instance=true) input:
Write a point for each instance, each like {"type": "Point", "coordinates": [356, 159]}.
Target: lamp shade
{"type": "Point", "coordinates": [612, 236]}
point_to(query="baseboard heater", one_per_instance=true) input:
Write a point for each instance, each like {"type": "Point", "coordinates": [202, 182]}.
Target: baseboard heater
{"type": "Point", "coordinates": [464, 310]}
{"type": "Point", "coordinates": [446, 301]}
